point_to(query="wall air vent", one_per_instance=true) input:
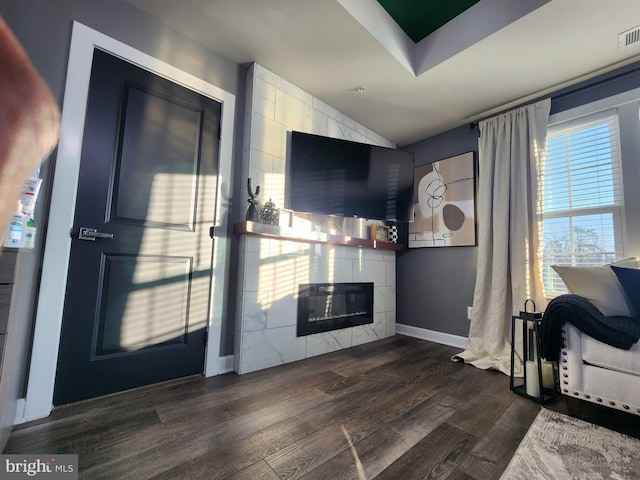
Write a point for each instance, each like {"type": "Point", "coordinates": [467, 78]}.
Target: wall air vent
{"type": "Point", "coordinates": [628, 38]}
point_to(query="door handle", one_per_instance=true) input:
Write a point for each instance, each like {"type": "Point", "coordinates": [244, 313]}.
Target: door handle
{"type": "Point", "coordinates": [91, 234]}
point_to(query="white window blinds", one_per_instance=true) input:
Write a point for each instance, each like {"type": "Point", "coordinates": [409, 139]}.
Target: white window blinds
{"type": "Point", "coordinates": [582, 196]}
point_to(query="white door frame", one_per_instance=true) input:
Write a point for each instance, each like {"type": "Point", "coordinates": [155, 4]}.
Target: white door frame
{"type": "Point", "coordinates": [39, 398]}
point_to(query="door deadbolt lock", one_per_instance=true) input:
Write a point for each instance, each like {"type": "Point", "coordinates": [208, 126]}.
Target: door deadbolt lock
{"type": "Point", "coordinates": [91, 234]}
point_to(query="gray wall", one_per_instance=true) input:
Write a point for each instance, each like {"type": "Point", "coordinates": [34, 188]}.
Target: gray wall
{"type": "Point", "coordinates": [435, 285]}
{"type": "Point", "coordinates": [44, 29]}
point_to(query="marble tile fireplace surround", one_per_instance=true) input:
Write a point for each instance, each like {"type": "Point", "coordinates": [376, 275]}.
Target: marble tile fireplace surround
{"type": "Point", "coordinates": [271, 268]}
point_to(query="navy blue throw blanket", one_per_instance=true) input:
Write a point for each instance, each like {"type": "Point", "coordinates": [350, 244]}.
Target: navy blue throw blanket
{"type": "Point", "coordinates": [621, 332]}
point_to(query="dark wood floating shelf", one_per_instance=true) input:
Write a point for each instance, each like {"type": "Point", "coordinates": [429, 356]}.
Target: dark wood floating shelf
{"type": "Point", "coordinates": [307, 236]}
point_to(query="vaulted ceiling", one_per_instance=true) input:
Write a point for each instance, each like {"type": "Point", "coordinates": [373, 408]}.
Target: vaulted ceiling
{"type": "Point", "coordinates": [491, 54]}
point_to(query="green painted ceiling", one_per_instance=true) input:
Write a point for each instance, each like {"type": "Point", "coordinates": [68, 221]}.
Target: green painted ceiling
{"type": "Point", "coordinates": [419, 18]}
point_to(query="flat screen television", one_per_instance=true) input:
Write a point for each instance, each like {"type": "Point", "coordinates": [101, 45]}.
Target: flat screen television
{"type": "Point", "coordinates": [340, 177]}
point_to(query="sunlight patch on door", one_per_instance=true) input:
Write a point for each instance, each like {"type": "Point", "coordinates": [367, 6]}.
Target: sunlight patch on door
{"type": "Point", "coordinates": [144, 303]}
{"type": "Point", "coordinates": [157, 162]}
{"type": "Point", "coordinates": [172, 200]}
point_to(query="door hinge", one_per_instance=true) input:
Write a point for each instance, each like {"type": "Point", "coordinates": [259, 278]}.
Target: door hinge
{"type": "Point", "coordinates": [211, 232]}
{"type": "Point", "coordinates": [206, 338]}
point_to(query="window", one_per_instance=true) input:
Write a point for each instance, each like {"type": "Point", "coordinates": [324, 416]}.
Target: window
{"type": "Point", "coordinates": [582, 207]}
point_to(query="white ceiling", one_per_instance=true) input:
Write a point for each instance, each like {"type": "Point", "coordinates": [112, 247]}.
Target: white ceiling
{"type": "Point", "coordinates": [452, 77]}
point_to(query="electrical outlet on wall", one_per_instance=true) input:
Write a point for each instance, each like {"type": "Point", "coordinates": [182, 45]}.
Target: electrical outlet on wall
{"type": "Point", "coordinates": [469, 311]}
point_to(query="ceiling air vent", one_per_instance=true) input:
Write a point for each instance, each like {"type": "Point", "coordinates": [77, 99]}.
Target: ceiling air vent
{"type": "Point", "coordinates": [628, 38]}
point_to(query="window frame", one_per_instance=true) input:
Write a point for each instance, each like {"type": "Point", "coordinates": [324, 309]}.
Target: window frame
{"type": "Point", "coordinates": [629, 143]}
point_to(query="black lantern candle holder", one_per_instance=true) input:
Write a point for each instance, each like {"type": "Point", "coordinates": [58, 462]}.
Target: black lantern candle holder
{"type": "Point", "coordinates": [539, 380]}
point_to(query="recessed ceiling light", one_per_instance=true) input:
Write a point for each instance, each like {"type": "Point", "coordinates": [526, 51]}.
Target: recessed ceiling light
{"type": "Point", "coordinates": [360, 88]}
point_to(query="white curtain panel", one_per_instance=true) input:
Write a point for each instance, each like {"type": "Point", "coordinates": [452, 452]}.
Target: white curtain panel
{"type": "Point", "coordinates": [511, 147]}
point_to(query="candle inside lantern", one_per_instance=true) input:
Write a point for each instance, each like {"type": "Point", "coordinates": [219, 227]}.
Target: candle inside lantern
{"type": "Point", "coordinates": [531, 379]}
{"type": "Point", "coordinates": [548, 380]}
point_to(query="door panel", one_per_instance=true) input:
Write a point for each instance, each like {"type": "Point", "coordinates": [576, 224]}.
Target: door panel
{"type": "Point", "coordinates": [137, 305]}
{"type": "Point", "coordinates": [146, 190]}
{"type": "Point", "coordinates": [155, 308]}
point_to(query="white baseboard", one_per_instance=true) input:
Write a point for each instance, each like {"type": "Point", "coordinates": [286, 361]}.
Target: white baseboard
{"type": "Point", "coordinates": [432, 335]}
{"type": "Point", "coordinates": [221, 365]}
{"type": "Point", "coordinates": [20, 404]}
{"type": "Point", "coordinates": [225, 364]}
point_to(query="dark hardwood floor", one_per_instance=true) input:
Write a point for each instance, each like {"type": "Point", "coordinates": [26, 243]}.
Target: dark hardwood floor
{"type": "Point", "coordinates": [393, 409]}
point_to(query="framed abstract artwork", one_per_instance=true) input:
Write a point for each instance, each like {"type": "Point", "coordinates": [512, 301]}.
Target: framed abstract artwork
{"type": "Point", "coordinates": [444, 199]}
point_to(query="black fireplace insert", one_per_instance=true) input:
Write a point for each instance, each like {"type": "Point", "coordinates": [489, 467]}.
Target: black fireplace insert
{"type": "Point", "coordinates": [323, 307]}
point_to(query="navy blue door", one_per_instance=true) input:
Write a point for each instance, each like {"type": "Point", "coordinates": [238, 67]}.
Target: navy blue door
{"type": "Point", "coordinates": [137, 297]}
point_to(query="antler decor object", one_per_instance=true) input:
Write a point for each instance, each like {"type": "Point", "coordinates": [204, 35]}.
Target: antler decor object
{"type": "Point", "coordinates": [253, 215]}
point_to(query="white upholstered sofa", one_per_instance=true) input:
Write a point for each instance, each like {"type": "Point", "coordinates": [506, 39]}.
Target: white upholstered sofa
{"type": "Point", "coordinates": [590, 370]}
{"type": "Point", "coordinates": [595, 372]}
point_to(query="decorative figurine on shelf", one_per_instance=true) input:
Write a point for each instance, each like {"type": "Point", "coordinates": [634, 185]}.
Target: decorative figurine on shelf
{"type": "Point", "coordinates": [269, 214]}
{"type": "Point", "coordinates": [253, 215]}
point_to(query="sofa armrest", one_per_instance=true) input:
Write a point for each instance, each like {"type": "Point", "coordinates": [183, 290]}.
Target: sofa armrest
{"type": "Point", "coordinates": [584, 381]}
{"type": "Point", "coordinates": [571, 364]}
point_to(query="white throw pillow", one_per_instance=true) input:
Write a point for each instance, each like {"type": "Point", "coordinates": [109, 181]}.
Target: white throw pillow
{"type": "Point", "coordinates": [599, 285]}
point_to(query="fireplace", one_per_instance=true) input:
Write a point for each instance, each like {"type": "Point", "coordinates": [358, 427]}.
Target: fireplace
{"type": "Point", "coordinates": [323, 307]}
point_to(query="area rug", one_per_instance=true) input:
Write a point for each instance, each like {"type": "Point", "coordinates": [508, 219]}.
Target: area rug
{"type": "Point", "coordinates": [560, 447]}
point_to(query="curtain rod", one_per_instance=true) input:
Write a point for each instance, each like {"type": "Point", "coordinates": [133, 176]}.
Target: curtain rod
{"type": "Point", "coordinates": [575, 89]}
